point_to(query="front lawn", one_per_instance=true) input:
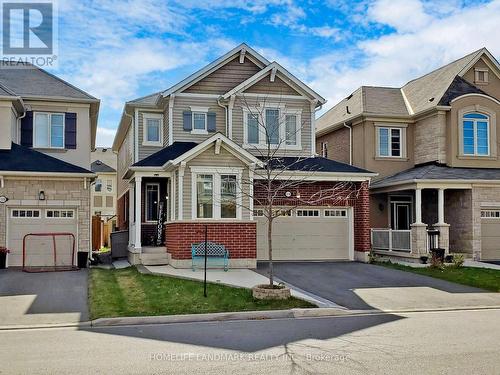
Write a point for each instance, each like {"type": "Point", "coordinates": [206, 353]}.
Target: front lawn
{"type": "Point", "coordinates": [126, 292]}
{"type": "Point", "coordinates": [477, 277]}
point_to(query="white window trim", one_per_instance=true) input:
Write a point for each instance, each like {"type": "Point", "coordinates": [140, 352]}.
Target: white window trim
{"type": "Point", "coordinates": [474, 129]}
{"type": "Point", "coordinates": [49, 146]}
{"type": "Point", "coordinates": [112, 187]}
{"type": "Point", "coordinates": [145, 118]}
{"type": "Point", "coordinates": [476, 75]}
{"type": "Point", "coordinates": [203, 111]}
{"type": "Point", "coordinates": [402, 140]}
{"type": "Point", "coordinates": [60, 210]}
{"type": "Point", "coordinates": [95, 186]}
{"type": "Point", "coordinates": [25, 217]}
{"type": "Point", "coordinates": [146, 200]}
{"type": "Point", "coordinates": [261, 112]}
{"type": "Point", "coordinates": [216, 173]}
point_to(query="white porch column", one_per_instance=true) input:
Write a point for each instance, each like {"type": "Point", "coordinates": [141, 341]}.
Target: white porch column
{"type": "Point", "coordinates": [138, 216]}
{"type": "Point", "coordinates": [440, 206]}
{"type": "Point", "coordinates": [418, 206]}
{"type": "Point", "coordinates": [180, 208]}
{"type": "Point", "coordinates": [131, 208]}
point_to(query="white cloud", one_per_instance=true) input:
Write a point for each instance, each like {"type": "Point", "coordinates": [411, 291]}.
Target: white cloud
{"type": "Point", "coordinates": [403, 15]}
{"type": "Point", "coordinates": [105, 137]}
{"type": "Point", "coordinates": [394, 59]}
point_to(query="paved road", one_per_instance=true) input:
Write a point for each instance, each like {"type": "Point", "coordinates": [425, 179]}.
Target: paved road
{"type": "Point", "coordinates": [366, 286]}
{"type": "Point", "coordinates": [41, 298]}
{"type": "Point", "coordinates": [461, 342]}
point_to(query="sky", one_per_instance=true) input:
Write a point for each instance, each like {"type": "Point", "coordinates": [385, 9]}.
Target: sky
{"type": "Point", "coordinates": [120, 50]}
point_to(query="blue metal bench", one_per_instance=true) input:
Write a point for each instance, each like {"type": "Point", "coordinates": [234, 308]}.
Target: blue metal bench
{"type": "Point", "coordinates": [215, 251]}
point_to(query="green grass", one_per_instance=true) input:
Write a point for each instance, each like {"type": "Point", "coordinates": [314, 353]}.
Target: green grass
{"type": "Point", "coordinates": [477, 277]}
{"type": "Point", "coordinates": [126, 292]}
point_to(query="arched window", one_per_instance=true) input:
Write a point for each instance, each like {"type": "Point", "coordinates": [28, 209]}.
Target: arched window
{"type": "Point", "coordinates": [476, 134]}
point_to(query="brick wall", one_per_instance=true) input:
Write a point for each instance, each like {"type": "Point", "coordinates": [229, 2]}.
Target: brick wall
{"type": "Point", "coordinates": [239, 238]}
{"type": "Point", "coordinates": [362, 219]}
{"type": "Point", "coordinates": [338, 145]}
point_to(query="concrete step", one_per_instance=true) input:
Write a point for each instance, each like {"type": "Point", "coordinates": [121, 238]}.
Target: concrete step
{"type": "Point", "coordinates": [154, 249]}
{"type": "Point", "coordinates": [154, 259]}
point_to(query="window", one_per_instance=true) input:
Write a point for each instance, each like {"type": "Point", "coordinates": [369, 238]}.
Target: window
{"type": "Point", "coordinates": [480, 75]}
{"type": "Point", "coordinates": [335, 213]}
{"type": "Point", "coordinates": [59, 214]}
{"type": "Point", "coordinates": [272, 126]}
{"type": "Point", "coordinates": [48, 130]}
{"type": "Point", "coordinates": [215, 193]}
{"type": "Point", "coordinates": [390, 142]}
{"type": "Point", "coordinates": [98, 201]}
{"type": "Point", "coordinates": [205, 196]}
{"type": "Point", "coordinates": [228, 197]}
{"type": "Point", "coordinates": [252, 128]}
{"type": "Point", "coordinates": [307, 213]}
{"type": "Point", "coordinates": [475, 133]}
{"type": "Point", "coordinates": [490, 214]}
{"type": "Point", "coordinates": [25, 214]}
{"type": "Point", "coordinates": [109, 202]}
{"type": "Point", "coordinates": [259, 212]}
{"type": "Point", "coordinates": [98, 185]}
{"type": "Point", "coordinates": [153, 130]}
{"type": "Point", "coordinates": [281, 212]}
{"type": "Point", "coordinates": [109, 185]}
{"type": "Point", "coordinates": [199, 121]}
{"type": "Point", "coordinates": [324, 149]}
{"type": "Point", "coordinates": [291, 129]}
{"type": "Point", "coordinates": [152, 200]}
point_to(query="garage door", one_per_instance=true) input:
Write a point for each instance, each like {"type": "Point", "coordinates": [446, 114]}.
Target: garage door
{"type": "Point", "coordinates": [490, 234]}
{"type": "Point", "coordinates": [307, 234]}
{"type": "Point", "coordinates": [40, 250]}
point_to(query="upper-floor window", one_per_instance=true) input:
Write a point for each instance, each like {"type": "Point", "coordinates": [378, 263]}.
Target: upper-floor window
{"type": "Point", "coordinates": [153, 130]}
{"type": "Point", "coordinates": [48, 130]}
{"type": "Point", "coordinates": [98, 185]}
{"type": "Point", "coordinates": [480, 75]}
{"type": "Point", "coordinates": [390, 142]}
{"type": "Point", "coordinates": [109, 185]}
{"type": "Point", "coordinates": [475, 133]}
{"type": "Point", "coordinates": [272, 126]}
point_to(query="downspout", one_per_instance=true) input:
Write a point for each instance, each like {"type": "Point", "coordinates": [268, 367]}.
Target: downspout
{"type": "Point", "coordinates": [225, 111]}
{"type": "Point", "coordinates": [18, 127]}
{"type": "Point", "coordinates": [350, 141]}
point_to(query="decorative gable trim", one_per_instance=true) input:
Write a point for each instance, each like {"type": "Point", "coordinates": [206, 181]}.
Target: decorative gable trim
{"type": "Point", "coordinates": [491, 62]}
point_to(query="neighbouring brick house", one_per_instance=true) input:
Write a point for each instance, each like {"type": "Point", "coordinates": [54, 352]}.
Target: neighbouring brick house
{"type": "Point", "coordinates": [185, 151]}
{"type": "Point", "coordinates": [434, 143]}
{"type": "Point", "coordinates": [48, 129]}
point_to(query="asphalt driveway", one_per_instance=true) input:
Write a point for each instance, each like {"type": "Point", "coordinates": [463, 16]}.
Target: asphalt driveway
{"type": "Point", "coordinates": [363, 286]}
{"type": "Point", "coordinates": [42, 298]}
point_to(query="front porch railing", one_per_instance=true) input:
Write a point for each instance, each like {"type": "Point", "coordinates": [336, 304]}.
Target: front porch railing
{"type": "Point", "coordinates": [391, 240]}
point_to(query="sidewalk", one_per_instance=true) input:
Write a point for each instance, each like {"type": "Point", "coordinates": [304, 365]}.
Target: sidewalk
{"type": "Point", "coordinates": [473, 263]}
{"type": "Point", "coordinates": [239, 278]}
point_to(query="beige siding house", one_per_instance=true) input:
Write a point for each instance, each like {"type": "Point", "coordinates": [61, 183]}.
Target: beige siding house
{"type": "Point", "coordinates": [103, 192]}
{"type": "Point", "coordinates": [48, 128]}
{"type": "Point", "coordinates": [188, 157]}
{"type": "Point", "coordinates": [434, 143]}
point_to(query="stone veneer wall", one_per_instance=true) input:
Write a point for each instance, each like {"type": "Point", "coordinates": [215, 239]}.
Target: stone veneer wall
{"type": "Point", "coordinates": [458, 213]}
{"type": "Point", "coordinates": [481, 195]}
{"type": "Point", "coordinates": [61, 192]}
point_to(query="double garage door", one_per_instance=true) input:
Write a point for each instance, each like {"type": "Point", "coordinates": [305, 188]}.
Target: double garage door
{"type": "Point", "coordinates": [490, 234]}
{"type": "Point", "coordinates": [307, 234]}
{"type": "Point", "coordinates": [40, 249]}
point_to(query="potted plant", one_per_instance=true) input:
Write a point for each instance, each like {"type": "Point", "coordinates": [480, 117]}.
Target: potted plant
{"type": "Point", "coordinates": [3, 256]}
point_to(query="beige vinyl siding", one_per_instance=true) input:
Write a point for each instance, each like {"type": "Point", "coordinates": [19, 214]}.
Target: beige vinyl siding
{"type": "Point", "coordinates": [278, 87]}
{"type": "Point", "coordinates": [145, 151]}
{"type": "Point", "coordinates": [291, 105]}
{"type": "Point", "coordinates": [166, 129]}
{"type": "Point", "coordinates": [182, 104]}
{"type": "Point", "coordinates": [225, 78]}
{"type": "Point", "coordinates": [125, 160]}
{"type": "Point", "coordinates": [208, 158]}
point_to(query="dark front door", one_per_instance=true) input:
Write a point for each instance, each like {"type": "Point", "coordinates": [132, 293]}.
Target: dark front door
{"type": "Point", "coordinates": [402, 216]}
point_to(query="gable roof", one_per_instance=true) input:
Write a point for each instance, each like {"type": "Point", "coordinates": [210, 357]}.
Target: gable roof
{"type": "Point", "coordinates": [146, 100]}
{"type": "Point", "coordinates": [274, 66]}
{"type": "Point", "coordinates": [25, 159]}
{"type": "Point", "coordinates": [100, 167]}
{"type": "Point", "coordinates": [416, 96]}
{"type": "Point", "coordinates": [459, 87]}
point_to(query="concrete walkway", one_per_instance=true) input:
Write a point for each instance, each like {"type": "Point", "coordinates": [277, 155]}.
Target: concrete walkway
{"type": "Point", "coordinates": [473, 263]}
{"type": "Point", "coordinates": [240, 278]}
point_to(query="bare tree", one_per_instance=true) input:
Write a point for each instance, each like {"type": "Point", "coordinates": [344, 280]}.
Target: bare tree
{"type": "Point", "coordinates": [278, 184]}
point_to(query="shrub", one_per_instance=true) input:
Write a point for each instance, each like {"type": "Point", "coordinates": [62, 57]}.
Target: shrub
{"type": "Point", "coordinates": [458, 260]}
{"type": "Point", "coordinates": [436, 262]}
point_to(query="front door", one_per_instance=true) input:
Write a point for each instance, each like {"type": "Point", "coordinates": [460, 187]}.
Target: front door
{"type": "Point", "coordinates": [401, 212]}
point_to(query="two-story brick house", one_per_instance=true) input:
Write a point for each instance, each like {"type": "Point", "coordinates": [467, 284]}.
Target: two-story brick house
{"type": "Point", "coordinates": [434, 143]}
{"type": "Point", "coordinates": [186, 150]}
{"type": "Point", "coordinates": [48, 128]}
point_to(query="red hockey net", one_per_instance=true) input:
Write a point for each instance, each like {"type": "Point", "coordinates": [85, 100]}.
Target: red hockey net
{"type": "Point", "coordinates": [49, 252]}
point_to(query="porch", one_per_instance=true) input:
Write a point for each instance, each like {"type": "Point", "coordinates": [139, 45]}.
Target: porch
{"type": "Point", "coordinates": [403, 219]}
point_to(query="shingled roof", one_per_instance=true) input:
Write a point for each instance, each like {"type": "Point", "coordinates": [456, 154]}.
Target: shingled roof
{"type": "Point", "coordinates": [100, 167]}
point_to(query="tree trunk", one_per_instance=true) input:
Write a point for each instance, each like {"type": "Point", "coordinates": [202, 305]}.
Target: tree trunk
{"type": "Point", "coordinates": [270, 248]}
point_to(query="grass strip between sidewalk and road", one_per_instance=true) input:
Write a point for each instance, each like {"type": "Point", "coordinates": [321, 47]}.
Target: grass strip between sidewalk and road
{"type": "Point", "coordinates": [126, 292]}
{"type": "Point", "coordinates": [482, 278]}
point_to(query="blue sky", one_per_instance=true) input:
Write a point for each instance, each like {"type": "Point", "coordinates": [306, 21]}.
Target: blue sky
{"type": "Point", "coordinates": [120, 50]}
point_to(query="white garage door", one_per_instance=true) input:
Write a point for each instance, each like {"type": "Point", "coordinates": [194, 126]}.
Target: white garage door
{"type": "Point", "coordinates": [40, 249]}
{"type": "Point", "coordinates": [490, 234]}
{"type": "Point", "coordinates": [308, 234]}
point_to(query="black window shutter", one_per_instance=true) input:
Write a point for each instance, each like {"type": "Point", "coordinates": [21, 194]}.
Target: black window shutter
{"type": "Point", "coordinates": [187, 121]}
{"type": "Point", "coordinates": [211, 123]}
{"type": "Point", "coordinates": [27, 129]}
{"type": "Point", "coordinates": [70, 131]}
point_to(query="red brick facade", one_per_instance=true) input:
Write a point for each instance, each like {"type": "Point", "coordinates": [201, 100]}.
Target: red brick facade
{"type": "Point", "coordinates": [362, 219]}
{"type": "Point", "coordinates": [240, 239]}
